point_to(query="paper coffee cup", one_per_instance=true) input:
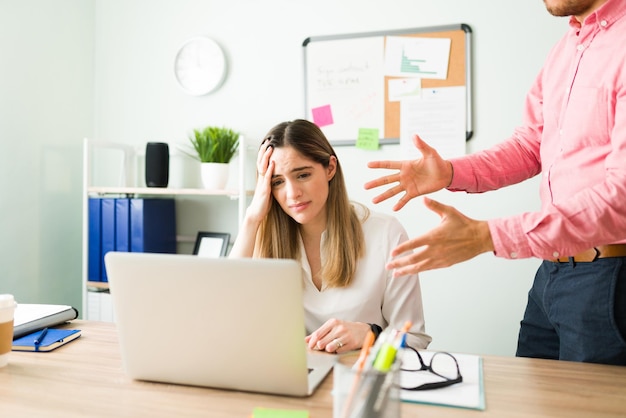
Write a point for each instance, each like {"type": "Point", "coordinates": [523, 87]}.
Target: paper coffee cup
{"type": "Point", "coordinates": [7, 310]}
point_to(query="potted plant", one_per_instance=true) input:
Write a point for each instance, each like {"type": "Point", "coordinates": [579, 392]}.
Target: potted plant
{"type": "Point", "coordinates": [214, 148]}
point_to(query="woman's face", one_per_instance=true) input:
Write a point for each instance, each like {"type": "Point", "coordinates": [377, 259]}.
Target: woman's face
{"type": "Point", "coordinates": [300, 186]}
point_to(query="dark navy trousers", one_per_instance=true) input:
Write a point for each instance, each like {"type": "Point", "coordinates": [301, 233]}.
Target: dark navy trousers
{"type": "Point", "coordinates": [577, 311]}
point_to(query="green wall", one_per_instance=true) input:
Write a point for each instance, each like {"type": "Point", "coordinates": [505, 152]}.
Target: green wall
{"type": "Point", "coordinates": [46, 108]}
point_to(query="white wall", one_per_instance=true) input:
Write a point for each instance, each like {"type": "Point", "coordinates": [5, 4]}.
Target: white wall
{"type": "Point", "coordinates": [475, 306]}
{"type": "Point", "coordinates": [46, 107]}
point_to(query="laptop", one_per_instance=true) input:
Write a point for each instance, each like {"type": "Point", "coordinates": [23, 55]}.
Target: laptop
{"type": "Point", "coordinates": [217, 322]}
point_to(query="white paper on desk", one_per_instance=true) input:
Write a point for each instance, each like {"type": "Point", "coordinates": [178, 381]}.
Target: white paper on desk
{"type": "Point", "coordinates": [467, 394]}
{"type": "Point", "coordinates": [438, 117]}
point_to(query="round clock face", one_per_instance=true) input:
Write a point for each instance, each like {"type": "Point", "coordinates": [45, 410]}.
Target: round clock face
{"type": "Point", "coordinates": [200, 66]}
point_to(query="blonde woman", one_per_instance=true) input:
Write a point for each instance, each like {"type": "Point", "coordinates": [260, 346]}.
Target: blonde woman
{"type": "Point", "coordinates": [300, 210]}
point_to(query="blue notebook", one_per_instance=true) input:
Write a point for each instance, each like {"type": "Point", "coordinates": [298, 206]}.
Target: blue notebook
{"type": "Point", "coordinates": [53, 338]}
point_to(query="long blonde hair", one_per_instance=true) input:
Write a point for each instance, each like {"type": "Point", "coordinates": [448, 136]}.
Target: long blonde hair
{"type": "Point", "coordinates": [277, 236]}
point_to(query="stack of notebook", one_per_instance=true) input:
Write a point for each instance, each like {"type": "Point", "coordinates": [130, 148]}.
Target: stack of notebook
{"type": "Point", "coordinates": [34, 317]}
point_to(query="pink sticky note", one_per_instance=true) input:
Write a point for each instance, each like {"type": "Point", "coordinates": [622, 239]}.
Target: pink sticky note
{"type": "Point", "coordinates": [322, 115]}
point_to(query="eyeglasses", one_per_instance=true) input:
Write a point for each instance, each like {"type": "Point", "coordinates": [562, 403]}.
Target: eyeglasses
{"type": "Point", "coordinates": [442, 364]}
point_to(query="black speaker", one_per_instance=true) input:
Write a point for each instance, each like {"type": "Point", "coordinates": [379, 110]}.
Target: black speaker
{"type": "Point", "coordinates": [157, 164]}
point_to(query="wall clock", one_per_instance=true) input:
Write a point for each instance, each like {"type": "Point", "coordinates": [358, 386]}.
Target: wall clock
{"type": "Point", "coordinates": [200, 66]}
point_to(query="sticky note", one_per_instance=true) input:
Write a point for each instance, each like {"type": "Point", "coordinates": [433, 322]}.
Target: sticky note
{"type": "Point", "coordinates": [322, 116]}
{"type": "Point", "coordinates": [279, 413]}
{"type": "Point", "coordinates": [367, 139]}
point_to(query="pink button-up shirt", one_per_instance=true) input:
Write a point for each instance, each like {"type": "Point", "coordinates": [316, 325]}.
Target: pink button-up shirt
{"type": "Point", "coordinates": [574, 134]}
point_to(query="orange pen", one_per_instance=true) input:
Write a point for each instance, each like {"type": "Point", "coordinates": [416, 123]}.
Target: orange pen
{"type": "Point", "coordinates": [358, 365]}
{"type": "Point", "coordinates": [365, 350]}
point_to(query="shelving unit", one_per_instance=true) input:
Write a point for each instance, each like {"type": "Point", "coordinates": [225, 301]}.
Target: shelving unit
{"type": "Point", "coordinates": [127, 185]}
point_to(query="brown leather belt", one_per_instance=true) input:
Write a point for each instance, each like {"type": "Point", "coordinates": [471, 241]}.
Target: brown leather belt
{"type": "Point", "coordinates": [592, 254]}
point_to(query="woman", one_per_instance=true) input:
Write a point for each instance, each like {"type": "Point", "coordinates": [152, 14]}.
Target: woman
{"type": "Point", "coordinates": [300, 210]}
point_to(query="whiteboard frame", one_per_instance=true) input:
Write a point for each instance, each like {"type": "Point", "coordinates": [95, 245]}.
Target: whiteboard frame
{"type": "Point", "coordinates": [442, 28]}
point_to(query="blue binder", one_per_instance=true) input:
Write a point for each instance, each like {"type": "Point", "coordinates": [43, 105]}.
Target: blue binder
{"type": "Point", "coordinates": [94, 253]}
{"type": "Point", "coordinates": [108, 230]}
{"type": "Point", "coordinates": [153, 225]}
{"type": "Point", "coordinates": [122, 224]}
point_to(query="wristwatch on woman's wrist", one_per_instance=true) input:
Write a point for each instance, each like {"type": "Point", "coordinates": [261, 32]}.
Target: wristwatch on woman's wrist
{"type": "Point", "coordinates": [376, 329]}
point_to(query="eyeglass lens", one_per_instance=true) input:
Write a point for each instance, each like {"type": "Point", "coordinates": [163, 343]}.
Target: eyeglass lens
{"type": "Point", "coordinates": [444, 365]}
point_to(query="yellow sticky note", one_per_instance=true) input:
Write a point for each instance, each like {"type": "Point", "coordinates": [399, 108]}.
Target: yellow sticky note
{"type": "Point", "coordinates": [279, 413]}
{"type": "Point", "coordinates": [367, 139]}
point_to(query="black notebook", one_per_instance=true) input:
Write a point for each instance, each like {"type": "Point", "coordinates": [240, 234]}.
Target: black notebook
{"type": "Point", "coordinates": [31, 317]}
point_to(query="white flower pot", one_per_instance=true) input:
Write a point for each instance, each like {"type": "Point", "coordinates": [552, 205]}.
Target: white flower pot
{"type": "Point", "coordinates": [214, 175]}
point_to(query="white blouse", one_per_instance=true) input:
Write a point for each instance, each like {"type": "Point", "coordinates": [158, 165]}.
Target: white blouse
{"type": "Point", "coordinates": [373, 296]}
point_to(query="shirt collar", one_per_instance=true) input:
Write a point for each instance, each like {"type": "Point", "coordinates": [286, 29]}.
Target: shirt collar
{"type": "Point", "coordinates": [603, 17]}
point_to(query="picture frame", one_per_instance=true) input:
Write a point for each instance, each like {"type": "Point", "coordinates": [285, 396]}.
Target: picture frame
{"type": "Point", "coordinates": [211, 244]}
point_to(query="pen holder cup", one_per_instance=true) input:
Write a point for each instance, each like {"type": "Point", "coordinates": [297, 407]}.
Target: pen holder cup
{"type": "Point", "coordinates": [7, 311]}
{"type": "Point", "coordinates": [366, 394]}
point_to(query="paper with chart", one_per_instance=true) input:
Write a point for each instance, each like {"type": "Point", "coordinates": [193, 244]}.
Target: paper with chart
{"type": "Point", "coordinates": [417, 56]}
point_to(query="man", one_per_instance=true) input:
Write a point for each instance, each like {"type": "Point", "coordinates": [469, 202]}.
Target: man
{"type": "Point", "coordinates": [574, 134]}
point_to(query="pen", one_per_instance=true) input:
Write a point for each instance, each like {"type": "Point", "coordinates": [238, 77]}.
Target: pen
{"type": "Point", "coordinates": [382, 338]}
{"type": "Point", "coordinates": [365, 350]}
{"type": "Point", "coordinates": [359, 365]}
{"type": "Point", "coordinates": [383, 363]}
{"type": "Point", "coordinates": [401, 338]}
{"type": "Point", "coordinates": [40, 337]}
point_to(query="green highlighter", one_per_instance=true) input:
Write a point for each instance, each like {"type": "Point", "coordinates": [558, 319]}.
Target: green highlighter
{"type": "Point", "coordinates": [385, 358]}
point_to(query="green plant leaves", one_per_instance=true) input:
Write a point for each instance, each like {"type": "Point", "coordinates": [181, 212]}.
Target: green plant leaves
{"type": "Point", "coordinates": [215, 144]}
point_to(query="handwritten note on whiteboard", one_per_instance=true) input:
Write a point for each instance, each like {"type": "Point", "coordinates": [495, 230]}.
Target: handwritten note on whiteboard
{"type": "Point", "coordinates": [347, 75]}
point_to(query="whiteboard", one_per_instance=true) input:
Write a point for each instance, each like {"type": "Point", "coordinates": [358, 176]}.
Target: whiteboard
{"type": "Point", "coordinates": [349, 85]}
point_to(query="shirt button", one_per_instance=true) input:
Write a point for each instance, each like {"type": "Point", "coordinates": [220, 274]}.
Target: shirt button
{"type": "Point", "coordinates": [513, 254]}
{"type": "Point", "coordinates": [561, 132]}
{"type": "Point", "coordinates": [555, 254]}
{"type": "Point", "coordinates": [580, 47]}
{"type": "Point", "coordinates": [603, 23]}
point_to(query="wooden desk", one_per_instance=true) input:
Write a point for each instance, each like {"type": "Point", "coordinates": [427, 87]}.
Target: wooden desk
{"type": "Point", "coordinates": [85, 378]}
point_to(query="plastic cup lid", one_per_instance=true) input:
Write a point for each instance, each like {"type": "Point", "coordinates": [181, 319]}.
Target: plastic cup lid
{"type": "Point", "coordinates": [7, 301]}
